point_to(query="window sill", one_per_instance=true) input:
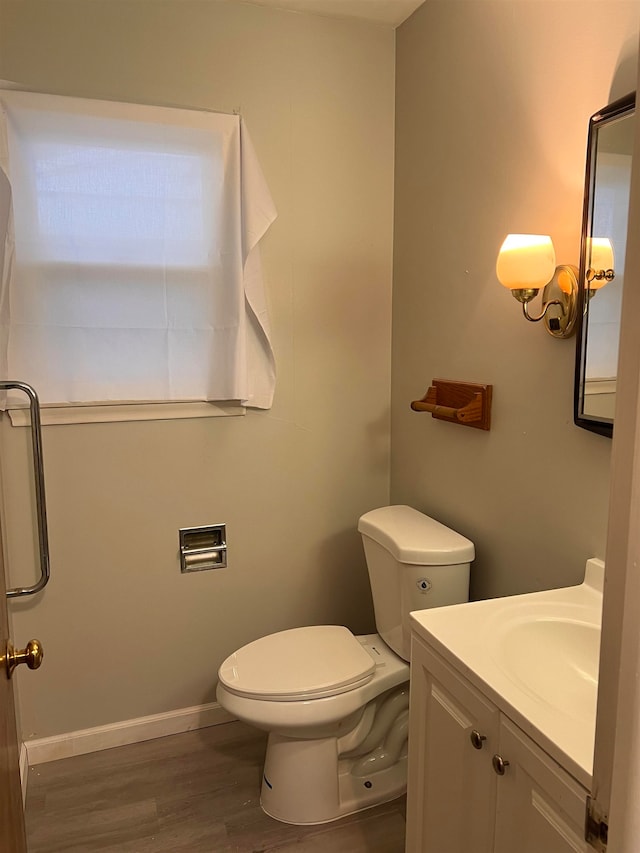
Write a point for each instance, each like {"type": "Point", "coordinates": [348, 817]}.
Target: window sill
{"type": "Point", "coordinates": [119, 412]}
{"type": "Point", "coordinates": [600, 386]}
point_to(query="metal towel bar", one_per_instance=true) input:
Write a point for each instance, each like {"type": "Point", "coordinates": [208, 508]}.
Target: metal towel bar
{"type": "Point", "coordinates": [38, 474]}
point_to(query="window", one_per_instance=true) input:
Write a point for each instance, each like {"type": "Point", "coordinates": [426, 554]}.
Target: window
{"type": "Point", "coordinates": [136, 275]}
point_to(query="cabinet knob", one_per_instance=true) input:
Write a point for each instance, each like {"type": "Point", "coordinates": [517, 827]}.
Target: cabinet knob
{"type": "Point", "coordinates": [499, 764]}
{"type": "Point", "coordinates": [477, 739]}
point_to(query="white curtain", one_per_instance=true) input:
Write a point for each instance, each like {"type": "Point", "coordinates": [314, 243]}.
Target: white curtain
{"type": "Point", "coordinates": [136, 274]}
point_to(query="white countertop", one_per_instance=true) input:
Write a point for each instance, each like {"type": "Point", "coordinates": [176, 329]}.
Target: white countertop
{"type": "Point", "coordinates": [535, 656]}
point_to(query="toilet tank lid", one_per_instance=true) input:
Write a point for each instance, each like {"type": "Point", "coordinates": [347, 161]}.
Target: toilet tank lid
{"type": "Point", "coordinates": [414, 538]}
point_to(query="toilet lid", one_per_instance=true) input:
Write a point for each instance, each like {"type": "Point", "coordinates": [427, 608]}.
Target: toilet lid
{"type": "Point", "coordinates": [302, 663]}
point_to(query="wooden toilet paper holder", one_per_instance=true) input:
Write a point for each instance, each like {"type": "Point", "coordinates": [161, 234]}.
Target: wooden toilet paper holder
{"type": "Point", "coordinates": [465, 403]}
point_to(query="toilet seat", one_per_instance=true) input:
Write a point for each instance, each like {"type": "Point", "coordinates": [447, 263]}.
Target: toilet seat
{"type": "Point", "coordinates": [299, 664]}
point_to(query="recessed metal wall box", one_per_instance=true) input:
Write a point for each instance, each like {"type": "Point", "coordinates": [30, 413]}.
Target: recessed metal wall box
{"type": "Point", "coordinates": [203, 548]}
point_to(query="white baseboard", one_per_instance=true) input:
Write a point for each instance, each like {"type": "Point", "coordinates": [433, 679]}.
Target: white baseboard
{"type": "Point", "coordinates": [41, 750]}
{"type": "Point", "coordinates": [24, 772]}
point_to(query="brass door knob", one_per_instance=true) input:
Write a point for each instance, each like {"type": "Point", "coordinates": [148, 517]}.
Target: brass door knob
{"type": "Point", "coordinates": [32, 655]}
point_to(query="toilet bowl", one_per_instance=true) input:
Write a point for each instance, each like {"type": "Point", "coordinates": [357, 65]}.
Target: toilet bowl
{"type": "Point", "coordinates": [314, 768]}
{"type": "Point", "coordinates": [335, 704]}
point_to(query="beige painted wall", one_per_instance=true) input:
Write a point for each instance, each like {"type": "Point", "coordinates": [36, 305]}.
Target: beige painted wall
{"type": "Point", "coordinates": [125, 634]}
{"type": "Point", "coordinates": [493, 100]}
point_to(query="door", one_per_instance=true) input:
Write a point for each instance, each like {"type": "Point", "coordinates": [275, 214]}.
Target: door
{"type": "Point", "coordinates": [453, 733]}
{"type": "Point", "coordinates": [616, 769]}
{"type": "Point", "coordinates": [12, 834]}
{"type": "Point", "coordinates": [539, 807]}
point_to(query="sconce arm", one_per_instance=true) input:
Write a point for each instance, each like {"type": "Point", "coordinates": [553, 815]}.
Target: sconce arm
{"type": "Point", "coordinates": [562, 291]}
{"type": "Point", "coordinates": [545, 308]}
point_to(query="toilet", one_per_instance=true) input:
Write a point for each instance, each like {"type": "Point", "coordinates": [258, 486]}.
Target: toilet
{"type": "Point", "coordinates": [335, 705]}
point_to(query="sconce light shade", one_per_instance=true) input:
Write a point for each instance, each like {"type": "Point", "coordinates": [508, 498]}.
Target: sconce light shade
{"type": "Point", "coordinates": [526, 262]}
{"type": "Point", "coordinates": [600, 262]}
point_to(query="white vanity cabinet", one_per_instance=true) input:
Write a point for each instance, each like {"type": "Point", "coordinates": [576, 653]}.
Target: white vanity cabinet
{"type": "Point", "coordinates": [478, 783]}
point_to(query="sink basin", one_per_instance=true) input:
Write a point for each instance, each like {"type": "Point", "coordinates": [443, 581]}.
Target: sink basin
{"type": "Point", "coordinates": [554, 658]}
{"type": "Point", "coordinates": [535, 656]}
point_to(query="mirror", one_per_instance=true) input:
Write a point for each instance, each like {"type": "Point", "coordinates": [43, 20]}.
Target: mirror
{"type": "Point", "coordinates": [602, 254]}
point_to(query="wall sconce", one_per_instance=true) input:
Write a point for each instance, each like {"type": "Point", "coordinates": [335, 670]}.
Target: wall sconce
{"type": "Point", "coordinates": [601, 266]}
{"type": "Point", "coordinates": [526, 263]}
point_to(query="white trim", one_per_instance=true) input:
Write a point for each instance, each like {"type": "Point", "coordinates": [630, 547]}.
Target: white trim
{"type": "Point", "coordinates": [600, 386]}
{"type": "Point", "coordinates": [45, 749]}
{"type": "Point", "coordinates": [616, 782]}
{"type": "Point", "coordinates": [24, 771]}
{"type": "Point", "coordinates": [111, 413]}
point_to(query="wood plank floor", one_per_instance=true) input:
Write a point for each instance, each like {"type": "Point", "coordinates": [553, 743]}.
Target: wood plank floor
{"type": "Point", "coordinates": [197, 792]}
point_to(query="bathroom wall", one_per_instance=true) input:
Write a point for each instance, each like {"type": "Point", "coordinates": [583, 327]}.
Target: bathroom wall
{"type": "Point", "coordinates": [493, 102]}
{"type": "Point", "coordinates": [125, 634]}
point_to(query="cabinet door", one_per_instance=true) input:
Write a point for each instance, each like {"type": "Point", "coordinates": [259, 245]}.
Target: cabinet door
{"type": "Point", "coordinates": [451, 786]}
{"type": "Point", "coordinates": [539, 806]}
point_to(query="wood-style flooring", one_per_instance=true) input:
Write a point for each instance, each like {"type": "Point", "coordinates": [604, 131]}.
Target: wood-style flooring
{"type": "Point", "coordinates": [197, 792]}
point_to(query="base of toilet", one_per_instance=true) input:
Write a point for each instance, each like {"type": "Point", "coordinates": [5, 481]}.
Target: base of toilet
{"type": "Point", "coordinates": [305, 782]}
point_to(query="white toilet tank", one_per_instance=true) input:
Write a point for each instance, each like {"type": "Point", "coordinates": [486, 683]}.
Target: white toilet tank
{"type": "Point", "coordinates": [414, 563]}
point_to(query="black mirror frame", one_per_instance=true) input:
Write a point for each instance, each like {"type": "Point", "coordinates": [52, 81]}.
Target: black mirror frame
{"type": "Point", "coordinates": [612, 111]}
